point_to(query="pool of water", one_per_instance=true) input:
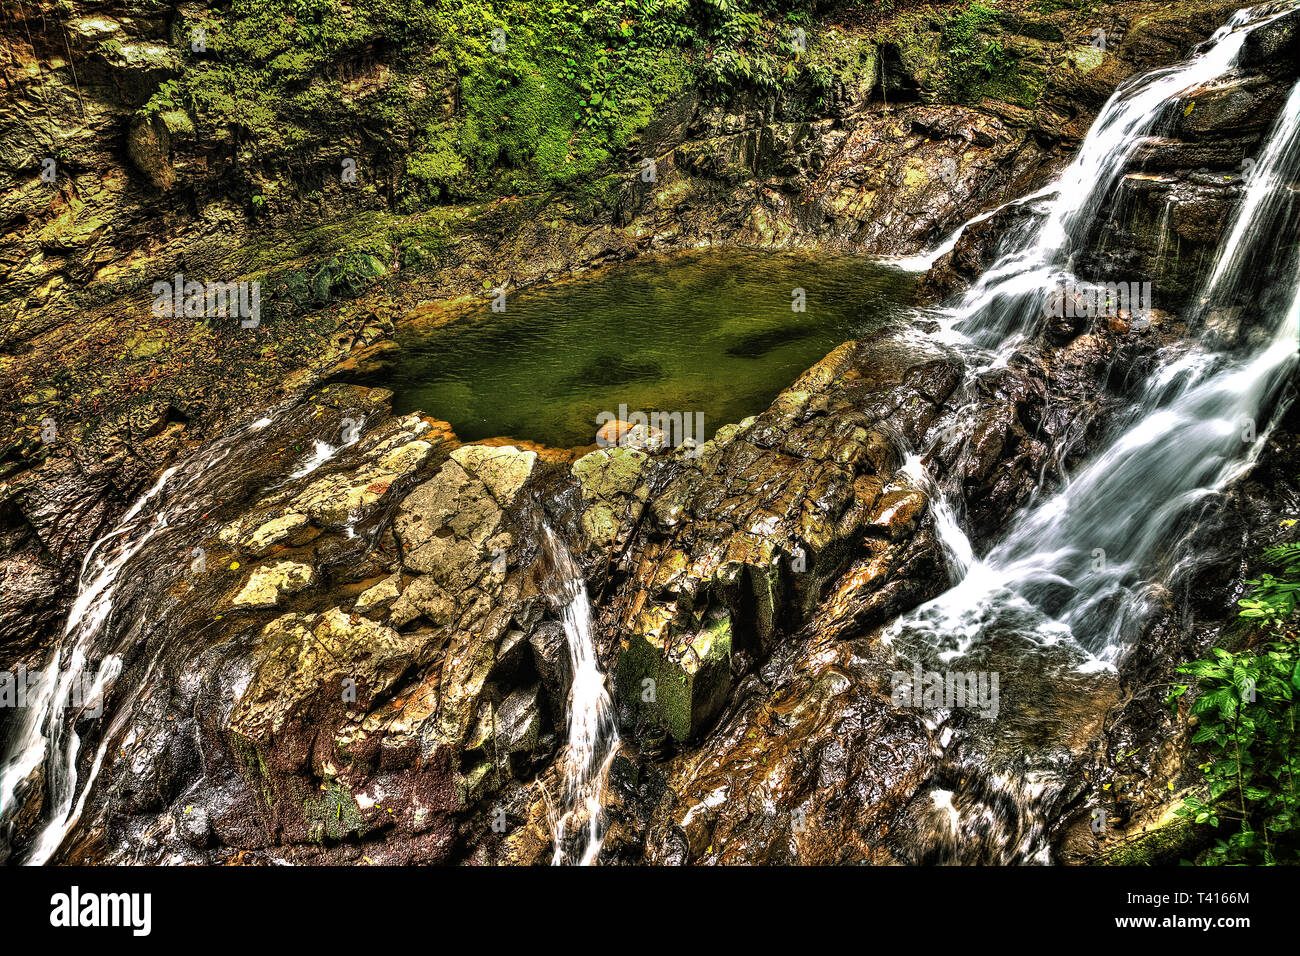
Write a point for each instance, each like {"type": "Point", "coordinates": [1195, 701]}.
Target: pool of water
{"type": "Point", "coordinates": [708, 333]}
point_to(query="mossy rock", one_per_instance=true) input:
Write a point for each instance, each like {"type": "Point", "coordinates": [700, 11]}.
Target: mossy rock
{"type": "Point", "coordinates": [687, 680]}
{"type": "Point", "coordinates": [1165, 842]}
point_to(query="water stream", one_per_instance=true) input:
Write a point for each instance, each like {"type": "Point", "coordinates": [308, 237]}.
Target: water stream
{"type": "Point", "coordinates": [578, 824]}
{"type": "Point", "coordinates": [1068, 584]}
{"type": "Point", "coordinates": [1065, 587]}
{"type": "Point", "coordinates": [88, 657]}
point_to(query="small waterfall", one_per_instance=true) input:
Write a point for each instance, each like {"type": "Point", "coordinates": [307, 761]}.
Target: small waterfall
{"type": "Point", "coordinates": [593, 732]}
{"type": "Point", "coordinates": [947, 524]}
{"type": "Point", "coordinates": [82, 672]}
{"type": "Point", "coordinates": [1070, 578]}
{"type": "Point", "coordinates": [1081, 549]}
{"type": "Point", "coordinates": [923, 261]}
{"type": "Point", "coordinates": [323, 451]}
{"type": "Point", "coordinates": [41, 729]}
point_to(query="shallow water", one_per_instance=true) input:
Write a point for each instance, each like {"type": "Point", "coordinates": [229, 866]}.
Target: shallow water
{"type": "Point", "coordinates": [701, 332]}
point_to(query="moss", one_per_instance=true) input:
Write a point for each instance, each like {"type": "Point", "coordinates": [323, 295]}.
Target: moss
{"type": "Point", "coordinates": [475, 97]}
{"type": "Point", "coordinates": [1030, 27]}
{"type": "Point", "coordinates": [851, 57]}
{"type": "Point", "coordinates": [680, 688]}
{"type": "Point", "coordinates": [1021, 86]}
{"type": "Point", "coordinates": [332, 814]}
{"type": "Point", "coordinates": [436, 166]}
{"type": "Point", "coordinates": [1169, 839]}
{"type": "Point", "coordinates": [1086, 58]}
{"type": "Point", "coordinates": [473, 786]}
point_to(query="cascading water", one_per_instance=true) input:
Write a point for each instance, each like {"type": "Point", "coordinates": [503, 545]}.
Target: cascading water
{"type": "Point", "coordinates": [1068, 581]}
{"type": "Point", "coordinates": [593, 732]}
{"type": "Point", "coordinates": [73, 685]}
{"type": "Point", "coordinates": [1007, 300]}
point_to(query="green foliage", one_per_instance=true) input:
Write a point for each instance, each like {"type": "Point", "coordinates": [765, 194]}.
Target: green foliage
{"type": "Point", "coordinates": [540, 95]}
{"type": "Point", "coordinates": [444, 101]}
{"type": "Point", "coordinates": [978, 63]}
{"type": "Point", "coordinates": [1246, 713]}
{"type": "Point", "coordinates": [1274, 599]}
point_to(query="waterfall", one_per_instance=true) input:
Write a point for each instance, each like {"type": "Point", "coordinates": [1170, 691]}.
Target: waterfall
{"type": "Point", "coordinates": [1071, 576]}
{"type": "Point", "coordinates": [593, 732]}
{"type": "Point", "coordinates": [947, 523]}
{"type": "Point", "coordinates": [73, 686]}
{"type": "Point", "coordinates": [1006, 302]}
{"type": "Point", "coordinates": [323, 451]}
{"type": "Point", "coordinates": [1189, 432]}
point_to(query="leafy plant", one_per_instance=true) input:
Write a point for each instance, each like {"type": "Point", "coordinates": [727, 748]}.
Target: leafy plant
{"type": "Point", "coordinates": [1246, 713]}
{"type": "Point", "coordinates": [1274, 599]}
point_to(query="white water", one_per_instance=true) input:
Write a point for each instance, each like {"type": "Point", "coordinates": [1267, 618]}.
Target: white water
{"type": "Point", "coordinates": [1074, 567]}
{"type": "Point", "coordinates": [1090, 541]}
{"type": "Point", "coordinates": [40, 727]}
{"type": "Point", "coordinates": [593, 732]}
{"type": "Point", "coordinates": [1189, 432]}
{"type": "Point", "coordinates": [45, 732]}
{"type": "Point", "coordinates": [1007, 299]}
{"type": "Point", "coordinates": [323, 451]}
{"type": "Point", "coordinates": [957, 547]}
{"type": "Point", "coordinates": [923, 261]}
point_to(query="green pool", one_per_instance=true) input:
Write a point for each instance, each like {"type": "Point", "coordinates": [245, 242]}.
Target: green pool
{"type": "Point", "coordinates": [712, 333]}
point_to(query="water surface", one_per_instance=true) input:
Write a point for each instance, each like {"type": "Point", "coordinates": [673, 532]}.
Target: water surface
{"type": "Point", "coordinates": [698, 332]}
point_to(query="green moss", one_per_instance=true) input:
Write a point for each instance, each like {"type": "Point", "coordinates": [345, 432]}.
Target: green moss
{"type": "Point", "coordinates": [964, 57]}
{"type": "Point", "coordinates": [436, 166]}
{"type": "Point", "coordinates": [681, 689]}
{"type": "Point", "coordinates": [1163, 843]}
{"type": "Point", "coordinates": [475, 97]}
{"type": "Point", "coordinates": [1086, 58]}
{"type": "Point", "coordinates": [332, 814]}
{"type": "Point", "coordinates": [1021, 86]}
{"type": "Point", "coordinates": [851, 57]}
{"type": "Point", "coordinates": [1041, 30]}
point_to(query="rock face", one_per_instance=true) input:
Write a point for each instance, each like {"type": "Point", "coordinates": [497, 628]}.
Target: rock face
{"type": "Point", "coordinates": [1178, 186]}
{"type": "Point", "coordinates": [364, 656]}
{"type": "Point", "coordinates": [371, 665]}
{"type": "Point", "coordinates": [885, 159]}
{"type": "Point", "coordinates": [376, 677]}
{"type": "Point", "coordinates": [347, 647]}
{"type": "Point", "coordinates": [743, 540]}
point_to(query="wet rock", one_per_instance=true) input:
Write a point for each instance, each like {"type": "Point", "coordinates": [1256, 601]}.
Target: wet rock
{"type": "Point", "coordinates": [268, 586]}
{"type": "Point", "coordinates": [518, 721]}
{"type": "Point", "coordinates": [899, 513]}
{"type": "Point", "coordinates": [629, 435]}
{"type": "Point", "coordinates": [747, 536]}
{"type": "Point", "coordinates": [813, 770]}
{"type": "Point", "coordinates": [194, 827]}
{"type": "Point", "coordinates": [503, 469]}
{"type": "Point", "coordinates": [1230, 107]}
{"type": "Point", "coordinates": [680, 684]}
{"type": "Point", "coordinates": [613, 494]}
{"type": "Point", "coordinates": [1274, 45]}
{"type": "Point", "coordinates": [299, 656]}
{"type": "Point", "coordinates": [975, 251]}
{"type": "Point", "coordinates": [260, 540]}
{"type": "Point", "coordinates": [380, 596]}
{"type": "Point", "coordinates": [149, 145]}
{"type": "Point", "coordinates": [342, 498]}
{"type": "Point", "coordinates": [450, 527]}
{"type": "Point", "coordinates": [551, 658]}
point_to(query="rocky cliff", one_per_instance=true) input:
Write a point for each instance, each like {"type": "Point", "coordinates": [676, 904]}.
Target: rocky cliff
{"type": "Point", "coordinates": [366, 665]}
